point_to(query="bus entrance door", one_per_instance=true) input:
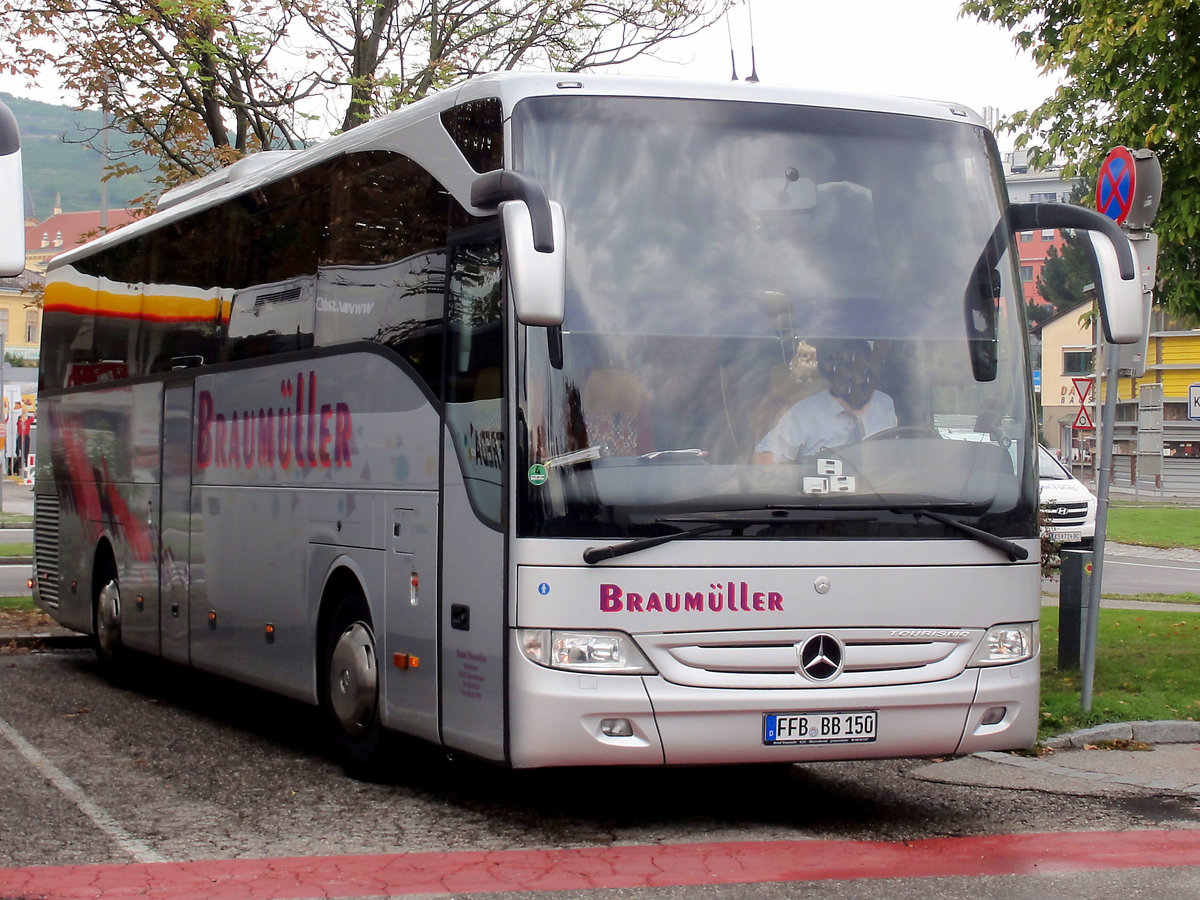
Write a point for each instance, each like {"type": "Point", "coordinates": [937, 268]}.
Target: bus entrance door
{"type": "Point", "coordinates": [175, 521]}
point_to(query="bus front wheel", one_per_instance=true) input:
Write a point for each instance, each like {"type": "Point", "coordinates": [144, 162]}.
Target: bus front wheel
{"type": "Point", "coordinates": [350, 686]}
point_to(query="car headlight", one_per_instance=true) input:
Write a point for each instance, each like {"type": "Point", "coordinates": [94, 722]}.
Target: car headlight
{"type": "Point", "coordinates": [601, 652]}
{"type": "Point", "coordinates": [1005, 644]}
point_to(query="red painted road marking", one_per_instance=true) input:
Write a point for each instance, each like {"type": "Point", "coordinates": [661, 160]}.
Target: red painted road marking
{"type": "Point", "coordinates": [591, 868]}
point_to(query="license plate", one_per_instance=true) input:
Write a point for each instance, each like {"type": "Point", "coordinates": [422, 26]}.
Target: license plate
{"type": "Point", "coordinates": [852, 727]}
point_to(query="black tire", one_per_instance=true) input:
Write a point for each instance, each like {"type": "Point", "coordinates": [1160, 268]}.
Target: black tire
{"type": "Point", "coordinates": [107, 613]}
{"type": "Point", "coordinates": [348, 680]}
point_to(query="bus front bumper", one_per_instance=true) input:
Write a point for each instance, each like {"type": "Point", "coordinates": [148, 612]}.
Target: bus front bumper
{"type": "Point", "coordinates": [568, 719]}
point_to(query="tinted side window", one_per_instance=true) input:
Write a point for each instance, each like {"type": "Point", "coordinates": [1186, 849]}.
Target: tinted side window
{"type": "Point", "coordinates": [475, 372]}
{"type": "Point", "coordinates": [93, 319]}
{"type": "Point", "coordinates": [188, 264]}
{"type": "Point", "coordinates": [383, 269]}
{"type": "Point", "coordinates": [280, 228]}
{"type": "Point", "coordinates": [478, 130]}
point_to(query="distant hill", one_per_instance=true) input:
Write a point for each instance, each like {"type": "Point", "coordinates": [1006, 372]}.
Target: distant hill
{"type": "Point", "coordinates": [55, 161]}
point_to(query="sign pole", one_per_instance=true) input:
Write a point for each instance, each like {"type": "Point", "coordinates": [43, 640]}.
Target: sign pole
{"type": "Point", "coordinates": [1103, 476]}
{"type": "Point", "coordinates": [1128, 190]}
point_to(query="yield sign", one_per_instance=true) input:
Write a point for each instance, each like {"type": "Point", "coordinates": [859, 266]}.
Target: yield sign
{"type": "Point", "coordinates": [1083, 387]}
{"type": "Point", "coordinates": [1083, 421]}
{"type": "Point", "coordinates": [1115, 184]}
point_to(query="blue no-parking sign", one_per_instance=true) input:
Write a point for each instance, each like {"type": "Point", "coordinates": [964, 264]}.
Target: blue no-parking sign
{"type": "Point", "coordinates": [1115, 184]}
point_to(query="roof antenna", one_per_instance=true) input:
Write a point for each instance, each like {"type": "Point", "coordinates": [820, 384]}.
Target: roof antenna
{"type": "Point", "coordinates": [732, 58]}
{"type": "Point", "coordinates": [753, 76]}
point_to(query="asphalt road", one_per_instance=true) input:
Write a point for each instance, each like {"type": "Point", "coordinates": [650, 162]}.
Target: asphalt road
{"type": "Point", "coordinates": [1146, 570]}
{"type": "Point", "coordinates": [182, 776]}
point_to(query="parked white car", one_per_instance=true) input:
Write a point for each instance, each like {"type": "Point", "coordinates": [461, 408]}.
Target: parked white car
{"type": "Point", "coordinates": [1068, 507]}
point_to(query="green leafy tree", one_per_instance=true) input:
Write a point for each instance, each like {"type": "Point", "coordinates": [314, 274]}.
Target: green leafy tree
{"type": "Point", "coordinates": [189, 81]}
{"type": "Point", "coordinates": [199, 83]}
{"type": "Point", "coordinates": [390, 52]}
{"type": "Point", "coordinates": [1129, 74]}
{"type": "Point", "coordinates": [1065, 275]}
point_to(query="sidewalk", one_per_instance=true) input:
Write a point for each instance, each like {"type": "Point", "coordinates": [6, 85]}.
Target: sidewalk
{"type": "Point", "coordinates": [17, 498]}
{"type": "Point", "coordinates": [1123, 758]}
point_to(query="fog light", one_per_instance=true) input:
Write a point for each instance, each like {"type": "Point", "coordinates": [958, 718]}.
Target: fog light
{"type": "Point", "coordinates": [994, 716]}
{"type": "Point", "coordinates": [616, 727]}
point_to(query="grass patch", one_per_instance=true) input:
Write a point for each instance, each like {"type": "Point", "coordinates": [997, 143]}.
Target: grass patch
{"type": "Point", "coordinates": [1147, 667]}
{"type": "Point", "coordinates": [21, 603]}
{"type": "Point", "coordinates": [21, 550]}
{"type": "Point", "coordinates": [1155, 526]}
{"type": "Point", "coordinates": [1185, 598]}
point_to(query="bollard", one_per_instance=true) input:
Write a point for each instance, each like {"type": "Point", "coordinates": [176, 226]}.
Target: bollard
{"type": "Point", "coordinates": [1074, 589]}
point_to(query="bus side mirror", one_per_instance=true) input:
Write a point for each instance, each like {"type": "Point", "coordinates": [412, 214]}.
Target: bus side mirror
{"type": "Point", "coordinates": [1121, 305]}
{"type": "Point", "coordinates": [536, 278]}
{"type": "Point", "coordinates": [1117, 282]}
{"type": "Point", "coordinates": [534, 243]}
{"type": "Point", "coordinates": [12, 197]}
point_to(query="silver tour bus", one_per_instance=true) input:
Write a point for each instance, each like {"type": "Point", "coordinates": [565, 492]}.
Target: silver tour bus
{"type": "Point", "coordinates": [569, 420]}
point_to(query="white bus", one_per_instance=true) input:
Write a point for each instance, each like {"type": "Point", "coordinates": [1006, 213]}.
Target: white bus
{"type": "Point", "coordinates": [456, 425]}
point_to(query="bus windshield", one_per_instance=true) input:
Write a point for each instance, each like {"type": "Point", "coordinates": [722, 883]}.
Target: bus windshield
{"type": "Point", "coordinates": [772, 310]}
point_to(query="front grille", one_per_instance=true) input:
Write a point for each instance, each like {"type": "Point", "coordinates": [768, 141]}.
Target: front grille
{"type": "Point", "coordinates": [757, 659]}
{"type": "Point", "coordinates": [1065, 515]}
{"type": "Point", "coordinates": [45, 546]}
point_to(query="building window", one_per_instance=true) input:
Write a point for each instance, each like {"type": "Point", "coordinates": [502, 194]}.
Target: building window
{"type": "Point", "coordinates": [1043, 197]}
{"type": "Point", "coordinates": [31, 327]}
{"type": "Point", "coordinates": [1047, 234]}
{"type": "Point", "coordinates": [1078, 362]}
{"type": "Point", "coordinates": [1026, 274]}
{"type": "Point", "coordinates": [3, 324]}
{"type": "Point", "coordinates": [1026, 237]}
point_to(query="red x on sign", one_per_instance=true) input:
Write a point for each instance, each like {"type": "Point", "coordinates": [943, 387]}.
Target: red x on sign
{"type": "Point", "coordinates": [1116, 184]}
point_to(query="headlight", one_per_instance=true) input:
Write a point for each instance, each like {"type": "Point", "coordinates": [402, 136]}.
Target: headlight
{"type": "Point", "coordinates": [603, 652]}
{"type": "Point", "coordinates": [1008, 644]}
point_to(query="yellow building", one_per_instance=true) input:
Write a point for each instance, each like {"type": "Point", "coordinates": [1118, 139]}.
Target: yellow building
{"type": "Point", "coordinates": [1071, 359]}
{"type": "Point", "coordinates": [21, 316]}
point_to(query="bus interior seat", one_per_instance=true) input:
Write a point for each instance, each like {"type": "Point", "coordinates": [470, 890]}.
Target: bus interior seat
{"type": "Point", "coordinates": [489, 384]}
{"type": "Point", "coordinates": [612, 406]}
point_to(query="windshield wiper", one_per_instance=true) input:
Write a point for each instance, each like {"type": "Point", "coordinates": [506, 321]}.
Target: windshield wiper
{"type": "Point", "coordinates": [1015, 551]}
{"type": "Point", "coordinates": [593, 555]}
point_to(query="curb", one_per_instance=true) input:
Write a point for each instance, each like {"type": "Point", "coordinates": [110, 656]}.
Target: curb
{"type": "Point", "coordinates": [44, 641]}
{"type": "Point", "coordinates": [1171, 731]}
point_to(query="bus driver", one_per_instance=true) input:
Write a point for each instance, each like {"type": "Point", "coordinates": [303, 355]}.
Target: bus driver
{"type": "Point", "coordinates": [846, 411]}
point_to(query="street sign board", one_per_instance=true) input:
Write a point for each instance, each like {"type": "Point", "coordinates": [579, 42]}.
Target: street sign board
{"type": "Point", "coordinates": [1083, 387]}
{"type": "Point", "coordinates": [1116, 184]}
{"type": "Point", "coordinates": [1194, 402]}
{"type": "Point", "coordinates": [1083, 421]}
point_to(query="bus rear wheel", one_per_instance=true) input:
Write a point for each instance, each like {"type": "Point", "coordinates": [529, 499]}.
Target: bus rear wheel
{"type": "Point", "coordinates": [108, 620]}
{"type": "Point", "coordinates": [106, 624]}
{"type": "Point", "coordinates": [349, 686]}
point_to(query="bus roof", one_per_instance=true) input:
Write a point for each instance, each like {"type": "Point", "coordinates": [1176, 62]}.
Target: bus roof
{"type": "Point", "coordinates": [510, 88]}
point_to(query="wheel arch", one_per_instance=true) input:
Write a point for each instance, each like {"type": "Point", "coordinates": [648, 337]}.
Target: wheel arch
{"type": "Point", "coordinates": [342, 576]}
{"type": "Point", "coordinates": [104, 562]}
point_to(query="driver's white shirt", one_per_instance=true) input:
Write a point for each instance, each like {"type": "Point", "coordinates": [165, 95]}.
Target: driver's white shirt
{"type": "Point", "coordinates": [820, 421]}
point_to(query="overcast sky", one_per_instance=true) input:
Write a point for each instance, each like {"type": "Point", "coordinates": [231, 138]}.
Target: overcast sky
{"type": "Point", "coordinates": [918, 48]}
